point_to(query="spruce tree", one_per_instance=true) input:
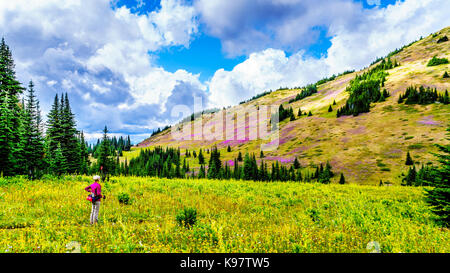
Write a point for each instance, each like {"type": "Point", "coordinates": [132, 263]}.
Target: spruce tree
{"type": "Point", "coordinates": [409, 160]}
{"type": "Point", "coordinates": [201, 158]}
{"type": "Point", "coordinates": [54, 131]}
{"type": "Point", "coordinates": [104, 163]}
{"type": "Point", "coordinates": [239, 158]}
{"type": "Point", "coordinates": [58, 164]}
{"type": "Point", "coordinates": [330, 109]}
{"type": "Point", "coordinates": [11, 152]}
{"type": "Point", "coordinates": [296, 164]}
{"type": "Point", "coordinates": [85, 162]}
{"type": "Point", "coordinates": [33, 146]}
{"type": "Point", "coordinates": [342, 179]}
{"type": "Point", "coordinates": [69, 143]}
{"type": "Point", "coordinates": [438, 198]}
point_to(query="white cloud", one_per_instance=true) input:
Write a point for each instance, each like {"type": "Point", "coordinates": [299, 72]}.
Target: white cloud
{"type": "Point", "coordinates": [381, 31]}
{"type": "Point", "coordinates": [97, 52]}
{"type": "Point", "coordinates": [246, 26]}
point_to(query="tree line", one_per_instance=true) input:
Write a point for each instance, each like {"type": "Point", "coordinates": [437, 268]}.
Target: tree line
{"type": "Point", "coordinates": [24, 147]}
{"type": "Point", "coordinates": [423, 96]}
{"type": "Point", "coordinates": [167, 162]}
{"type": "Point", "coordinates": [366, 88]}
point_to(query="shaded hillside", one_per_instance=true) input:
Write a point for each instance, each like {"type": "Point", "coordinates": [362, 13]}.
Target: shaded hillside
{"type": "Point", "coordinates": [366, 148]}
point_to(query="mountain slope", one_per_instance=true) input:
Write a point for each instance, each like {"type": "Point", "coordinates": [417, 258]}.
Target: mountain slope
{"type": "Point", "coordinates": [366, 148]}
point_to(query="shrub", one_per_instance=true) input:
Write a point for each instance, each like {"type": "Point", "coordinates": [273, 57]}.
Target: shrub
{"type": "Point", "coordinates": [187, 217]}
{"type": "Point", "coordinates": [442, 39]}
{"type": "Point", "coordinates": [314, 214]}
{"type": "Point", "coordinates": [445, 76]}
{"type": "Point", "coordinates": [124, 198]}
{"type": "Point", "coordinates": [437, 61]}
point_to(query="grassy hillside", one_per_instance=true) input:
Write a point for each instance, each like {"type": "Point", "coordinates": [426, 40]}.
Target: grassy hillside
{"type": "Point", "coordinates": [233, 216]}
{"type": "Point", "coordinates": [366, 148]}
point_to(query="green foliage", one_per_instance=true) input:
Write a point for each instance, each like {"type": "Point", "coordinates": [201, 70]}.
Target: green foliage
{"type": "Point", "coordinates": [437, 61]}
{"type": "Point", "coordinates": [423, 96]}
{"type": "Point", "coordinates": [442, 39]}
{"type": "Point", "coordinates": [257, 97]}
{"type": "Point", "coordinates": [11, 130]}
{"type": "Point", "coordinates": [201, 158]}
{"type": "Point", "coordinates": [306, 92]}
{"type": "Point", "coordinates": [332, 78]}
{"type": "Point", "coordinates": [409, 160]}
{"type": "Point", "coordinates": [438, 198]}
{"type": "Point", "coordinates": [285, 113]}
{"type": "Point", "coordinates": [365, 89]}
{"type": "Point", "coordinates": [215, 165]}
{"type": "Point", "coordinates": [124, 198]}
{"type": "Point", "coordinates": [342, 179]}
{"type": "Point", "coordinates": [445, 76]}
{"type": "Point", "coordinates": [187, 217]}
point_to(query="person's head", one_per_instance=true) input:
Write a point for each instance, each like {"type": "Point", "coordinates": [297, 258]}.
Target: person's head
{"type": "Point", "coordinates": [96, 178]}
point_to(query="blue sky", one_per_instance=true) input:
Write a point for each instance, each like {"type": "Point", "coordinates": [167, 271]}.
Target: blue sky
{"type": "Point", "coordinates": [127, 63]}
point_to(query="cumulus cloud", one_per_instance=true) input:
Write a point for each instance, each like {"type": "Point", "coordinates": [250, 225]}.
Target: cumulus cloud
{"type": "Point", "coordinates": [352, 47]}
{"type": "Point", "coordinates": [247, 26]}
{"type": "Point", "coordinates": [99, 54]}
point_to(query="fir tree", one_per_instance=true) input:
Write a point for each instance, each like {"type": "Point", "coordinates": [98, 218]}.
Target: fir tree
{"type": "Point", "coordinates": [33, 146]}
{"type": "Point", "coordinates": [342, 179]}
{"type": "Point", "coordinates": [330, 109]}
{"type": "Point", "coordinates": [239, 158]}
{"type": "Point", "coordinates": [69, 142]}
{"type": "Point", "coordinates": [410, 178]}
{"type": "Point", "coordinates": [296, 164]}
{"type": "Point", "coordinates": [11, 150]}
{"type": "Point", "coordinates": [438, 198]}
{"type": "Point", "coordinates": [201, 158]}
{"type": "Point", "coordinates": [104, 163]}
{"type": "Point", "coordinates": [58, 164]}
{"type": "Point", "coordinates": [409, 160]}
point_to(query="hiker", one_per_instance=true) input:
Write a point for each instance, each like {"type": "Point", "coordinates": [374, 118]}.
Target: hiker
{"type": "Point", "coordinates": [96, 196]}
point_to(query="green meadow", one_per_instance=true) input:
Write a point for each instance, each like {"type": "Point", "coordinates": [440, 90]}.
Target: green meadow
{"type": "Point", "coordinates": [52, 215]}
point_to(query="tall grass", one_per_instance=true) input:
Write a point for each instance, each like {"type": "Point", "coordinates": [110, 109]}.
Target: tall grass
{"type": "Point", "coordinates": [232, 216]}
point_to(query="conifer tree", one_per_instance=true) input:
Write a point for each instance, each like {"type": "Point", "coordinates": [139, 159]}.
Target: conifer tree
{"type": "Point", "coordinates": [409, 160]}
{"type": "Point", "coordinates": [201, 158]}
{"type": "Point", "coordinates": [239, 158]}
{"type": "Point", "coordinates": [330, 109]}
{"type": "Point", "coordinates": [342, 179]}
{"type": "Point", "coordinates": [296, 164]}
{"type": "Point", "coordinates": [104, 163]}
{"type": "Point", "coordinates": [10, 114]}
{"type": "Point", "coordinates": [438, 198]}
{"type": "Point", "coordinates": [85, 162]}
{"type": "Point", "coordinates": [58, 164]}
{"type": "Point", "coordinates": [33, 146]}
{"type": "Point", "coordinates": [69, 143]}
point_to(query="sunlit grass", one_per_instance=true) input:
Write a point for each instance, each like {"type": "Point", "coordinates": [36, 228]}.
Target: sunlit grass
{"type": "Point", "coordinates": [233, 216]}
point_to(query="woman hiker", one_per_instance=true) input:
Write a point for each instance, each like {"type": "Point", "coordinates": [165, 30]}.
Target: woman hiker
{"type": "Point", "coordinates": [96, 191]}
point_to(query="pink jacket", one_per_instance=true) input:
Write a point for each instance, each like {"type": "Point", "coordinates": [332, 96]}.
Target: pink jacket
{"type": "Point", "coordinates": [95, 188]}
